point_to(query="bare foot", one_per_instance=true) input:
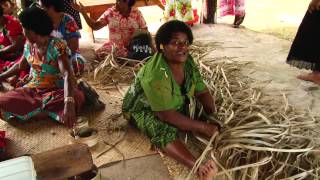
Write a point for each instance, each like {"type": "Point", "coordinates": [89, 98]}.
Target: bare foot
{"type": "Point", "coordinates": [208, 170]}
{"type": "Point", "coordinates": [313, 77]}
{"type": "Point", "coordinates": [306, 77]}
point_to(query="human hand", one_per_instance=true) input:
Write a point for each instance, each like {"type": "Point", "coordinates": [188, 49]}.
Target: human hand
{"type": "Point", "coordinates": [69, 114]}
{"type": "Point", "coordinates": [209, 129]}
{"type": "Point", "coordinates": [78, 6]}
{"type": "Point", "coordinates": [314, 6]}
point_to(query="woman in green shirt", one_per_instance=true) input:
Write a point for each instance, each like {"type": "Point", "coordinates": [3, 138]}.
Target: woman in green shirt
{"type": "Point", "coordinates": [157, 101]}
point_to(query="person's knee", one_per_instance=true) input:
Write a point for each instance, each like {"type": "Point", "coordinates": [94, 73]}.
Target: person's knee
{"type": "Point", "coordinates": [4, 100]}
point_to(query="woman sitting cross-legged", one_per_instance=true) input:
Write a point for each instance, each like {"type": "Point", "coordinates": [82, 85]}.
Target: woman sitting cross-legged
{"type": "Point", "coordinates": [123, 21]}
{"type": "Point", "coordinates": [157, 101]}
{"type": "Point", "coordinates": [51, 92]}
{"type": "Point", "coordinates": [65, 27]}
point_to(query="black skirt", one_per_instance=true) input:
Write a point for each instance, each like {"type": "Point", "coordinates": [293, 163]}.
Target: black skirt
{"type": "Point", "coordinates": [305, 49]}
{"type": "Point", "coordinates": [73, 13]}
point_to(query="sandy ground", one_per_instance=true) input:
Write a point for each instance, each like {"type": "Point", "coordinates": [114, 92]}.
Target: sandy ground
{"type": "Point", "coordinates": [265, 40]}
{"type": "Point", "coordinates": [277, 17]}
{"type": "Point", "coordinates": [268, 53]}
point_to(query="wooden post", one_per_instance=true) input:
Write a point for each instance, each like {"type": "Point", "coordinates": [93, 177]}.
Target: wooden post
{"type": "Point", "coordinates": [63, 162]}
{"type": "Point", "coordinates": [211, 12]}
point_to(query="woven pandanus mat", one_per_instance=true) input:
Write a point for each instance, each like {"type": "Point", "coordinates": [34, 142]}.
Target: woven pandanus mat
{"type": "Point", "coordinates": [117, 140]}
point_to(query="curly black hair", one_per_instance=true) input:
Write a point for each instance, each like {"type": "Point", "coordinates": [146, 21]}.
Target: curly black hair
{"type": "Point", "coordinates": [131, 3]}
{"type": "Point", "coordinates": [164, 34]}
{"type": "Point", "coordinates": [58, 5]}
{"type": "Point", "coordinates": [36, 20]}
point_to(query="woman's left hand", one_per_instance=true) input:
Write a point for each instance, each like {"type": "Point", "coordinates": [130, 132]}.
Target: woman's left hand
{"type": "Point", "coordinates": [69, 114]}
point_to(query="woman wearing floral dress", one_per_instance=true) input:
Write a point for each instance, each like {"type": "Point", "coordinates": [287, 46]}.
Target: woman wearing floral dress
{"type": "Point", "coordinates": [123, 20]}
{"type": "Point", "coordinates": [51, 92]}
{"type": "Point", "coordinates": [66, 28]}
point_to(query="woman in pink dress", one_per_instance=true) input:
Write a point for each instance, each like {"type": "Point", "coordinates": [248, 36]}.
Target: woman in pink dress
{"type": "Point", "coordinates": [235, 8]}
{"type": "Point", "coordinates": [123, 21]}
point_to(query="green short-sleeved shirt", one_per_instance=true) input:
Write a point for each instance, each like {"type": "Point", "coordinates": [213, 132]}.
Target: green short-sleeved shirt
{"type": "Point", "coordinates": [155, 88]}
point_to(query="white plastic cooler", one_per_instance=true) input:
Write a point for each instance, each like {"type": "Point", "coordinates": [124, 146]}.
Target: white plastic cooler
{"type": "Point", "coordinates": [20, 168]}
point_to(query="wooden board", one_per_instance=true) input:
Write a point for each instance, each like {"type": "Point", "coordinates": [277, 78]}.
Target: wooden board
{"type": "Point", "coordinates": [63, 162]}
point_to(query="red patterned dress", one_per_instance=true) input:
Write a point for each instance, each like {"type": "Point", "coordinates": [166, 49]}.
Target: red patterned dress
{"type": "Point", "coordinates": [120, 31]}
{"type": "Point", "coordinates": [232, 7]}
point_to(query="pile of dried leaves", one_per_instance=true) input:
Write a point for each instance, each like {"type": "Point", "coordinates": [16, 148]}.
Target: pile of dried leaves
{"type": "Point", "coordinates": [262, 136]}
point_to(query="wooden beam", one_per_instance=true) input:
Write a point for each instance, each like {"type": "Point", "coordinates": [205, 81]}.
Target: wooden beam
{"type": "Point", "coordinates": [63, 162]}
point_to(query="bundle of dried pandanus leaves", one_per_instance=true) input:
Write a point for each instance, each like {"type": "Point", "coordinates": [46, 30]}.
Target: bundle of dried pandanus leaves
{"type": "Point", "coordinates": [262, 136]}
{"type": "Point", "coordinates": [114, 72]}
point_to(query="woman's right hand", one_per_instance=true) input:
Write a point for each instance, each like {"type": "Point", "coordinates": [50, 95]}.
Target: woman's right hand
{"type": "Point", "coordinates": [78, 6]}
{"type": "Point", "coordinates": [209, 129]}
{"type": "Point", "coordinates": [314, 6]}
